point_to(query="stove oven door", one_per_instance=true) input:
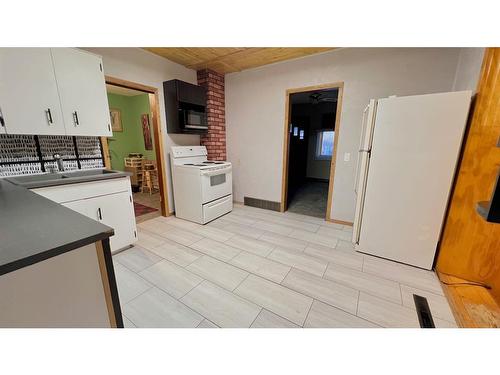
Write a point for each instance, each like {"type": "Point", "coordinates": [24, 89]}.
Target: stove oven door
{"type": "Point", "coordinates": [215, 184]}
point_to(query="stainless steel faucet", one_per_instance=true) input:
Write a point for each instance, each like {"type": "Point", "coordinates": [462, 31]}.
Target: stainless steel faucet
{"type": "Point", "coordinates": [59, 161]}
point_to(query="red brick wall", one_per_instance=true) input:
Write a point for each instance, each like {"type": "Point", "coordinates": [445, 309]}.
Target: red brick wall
{"type": "Point", "coordinates": [215, 139]}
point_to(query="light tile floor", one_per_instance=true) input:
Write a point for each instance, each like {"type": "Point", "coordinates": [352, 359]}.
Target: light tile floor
{"type": "Point", "coordinates": [259, 268]}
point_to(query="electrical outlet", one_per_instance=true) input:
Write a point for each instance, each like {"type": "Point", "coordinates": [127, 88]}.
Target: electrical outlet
{"type": "Point", "coordinates": [347, 156]}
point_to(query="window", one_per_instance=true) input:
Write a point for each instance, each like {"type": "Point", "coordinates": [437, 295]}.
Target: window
{"type": "Point", "coordinates": [324, 144]}
{"type": "Point", "coordinates": [301, 134]}
{"type": "Point", "coordinates": [295, 131]}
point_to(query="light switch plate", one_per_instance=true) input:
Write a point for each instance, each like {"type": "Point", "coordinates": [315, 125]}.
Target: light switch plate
{"type": "Point", "coordinates": [347, 156]}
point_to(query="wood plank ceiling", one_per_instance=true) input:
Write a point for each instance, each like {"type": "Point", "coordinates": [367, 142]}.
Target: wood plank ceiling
{"type": "Point", "coordinates": [234, 59]}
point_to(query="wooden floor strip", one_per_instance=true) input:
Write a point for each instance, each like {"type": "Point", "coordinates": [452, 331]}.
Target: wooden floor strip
{"type": "Point", "coordinates": [472, 306]}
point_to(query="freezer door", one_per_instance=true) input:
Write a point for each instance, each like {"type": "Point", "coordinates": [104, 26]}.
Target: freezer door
{"type": "Point", "coordinates": [416, 143]}
{"type": "Point", "coordinates": [367, 135]}
{"type": "Point", "coordinates": [362, 166]}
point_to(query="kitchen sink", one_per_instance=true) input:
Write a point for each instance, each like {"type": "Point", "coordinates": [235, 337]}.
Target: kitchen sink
{"type": "Point", "coordinates": [90, 172]}
{"type": "Point", "coordinates": [52, 178]}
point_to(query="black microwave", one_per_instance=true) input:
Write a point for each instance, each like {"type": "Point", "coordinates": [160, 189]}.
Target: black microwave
{"type": "Point", "coordinates": [193, 118]}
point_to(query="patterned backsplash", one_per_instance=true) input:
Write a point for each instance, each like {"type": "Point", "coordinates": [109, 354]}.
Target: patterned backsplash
{"type": "Point", "coordinates": [32, 154]}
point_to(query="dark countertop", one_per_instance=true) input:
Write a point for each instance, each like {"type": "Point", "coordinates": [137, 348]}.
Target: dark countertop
{"type": "Point", "coordinates": [34, 228]}
{"type": "Point", "coordinates": [65, 178]}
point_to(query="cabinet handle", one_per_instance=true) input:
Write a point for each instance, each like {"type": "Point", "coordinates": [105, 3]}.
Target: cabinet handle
{"type": "Point", "coordinates": [49, 116]}
{"type": "Point", "coordinates": [75, 118]}
{"type": "Point", "coordinates": [99, 213]}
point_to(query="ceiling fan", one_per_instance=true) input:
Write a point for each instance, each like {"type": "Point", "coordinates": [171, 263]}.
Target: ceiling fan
{"type": "Point", "coordinates": [318, 97]}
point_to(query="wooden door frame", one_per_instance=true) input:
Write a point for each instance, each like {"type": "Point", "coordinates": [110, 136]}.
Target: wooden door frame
{"type": "Point", "coordinates": [154, 106]}
{"type": "Point", "coordinates": [286, 141]}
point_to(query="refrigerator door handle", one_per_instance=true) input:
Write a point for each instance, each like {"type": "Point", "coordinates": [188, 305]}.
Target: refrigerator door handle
{"type": "Point", "coordinates": [365, 119]}
{"type": "Point", "coordinates": [356, 180]}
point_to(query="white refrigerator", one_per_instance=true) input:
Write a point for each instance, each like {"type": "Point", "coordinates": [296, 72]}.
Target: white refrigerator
{"type": "Point", "coordinates": [406, 164]}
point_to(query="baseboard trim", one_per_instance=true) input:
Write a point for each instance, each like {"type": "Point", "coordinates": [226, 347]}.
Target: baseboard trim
{"type": "Point", "coordinates": [348, 223]}
{"type": "Point", "coordinates": [262, 203]}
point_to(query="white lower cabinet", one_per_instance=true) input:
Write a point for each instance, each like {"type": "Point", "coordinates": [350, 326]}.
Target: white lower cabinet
{"type": "Point", "coordinates": [82, 207]}
{"type": "Point", "coordinates": [108, 201]}
{"type": "Point", "coordinates": [115, 210]}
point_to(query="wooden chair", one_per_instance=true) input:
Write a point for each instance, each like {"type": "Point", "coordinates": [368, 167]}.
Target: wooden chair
{"type": "Point", "coordinates": [150, 177]}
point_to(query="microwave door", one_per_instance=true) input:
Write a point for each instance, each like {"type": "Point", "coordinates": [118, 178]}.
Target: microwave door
{"type": "Point", "coordinates": [195, 120]}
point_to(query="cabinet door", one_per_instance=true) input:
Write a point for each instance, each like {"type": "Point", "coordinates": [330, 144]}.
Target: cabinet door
{"type": "Point", "coordinates": [29, 100]}
{"type": "Point", "coordinates": [117, 211]}
{"type": "Point", "coordinates": [82, 89]}
{"type": "Point", "coordinates": [114, 210]}
{"type": "Point", "coordinates": [82, 207]}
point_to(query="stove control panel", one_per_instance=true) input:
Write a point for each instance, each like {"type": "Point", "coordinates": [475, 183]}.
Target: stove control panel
{"type": "Point", "coordinates": [188, 151]}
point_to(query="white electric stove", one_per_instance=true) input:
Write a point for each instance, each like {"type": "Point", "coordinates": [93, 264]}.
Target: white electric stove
{"type": "Point", "coordinates": [202, 188]}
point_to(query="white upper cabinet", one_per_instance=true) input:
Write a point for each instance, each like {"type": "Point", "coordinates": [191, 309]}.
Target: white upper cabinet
{"type": "Point", "coordinates": [29, 101]}
{"type": "Point", "coordinates": [82, 90]}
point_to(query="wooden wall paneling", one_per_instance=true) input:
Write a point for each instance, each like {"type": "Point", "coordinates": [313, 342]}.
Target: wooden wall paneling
{"type": "Point", "coordinates": [470, 246]}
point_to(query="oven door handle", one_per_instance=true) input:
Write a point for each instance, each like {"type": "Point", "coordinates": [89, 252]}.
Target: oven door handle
{"type": "Point", "coordinates": [216, 172]}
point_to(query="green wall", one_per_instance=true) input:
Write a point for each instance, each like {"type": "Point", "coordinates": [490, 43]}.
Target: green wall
{"type": "Point", "coordinates": [131, 139]}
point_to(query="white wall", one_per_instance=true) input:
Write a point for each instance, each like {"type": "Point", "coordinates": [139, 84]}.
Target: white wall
{"type": "Point", "coordinates": [468, 69]}
{"type": "Point", "coordinates": [255, 108]}
{"type": "Point", "coordinates": [140, 66]}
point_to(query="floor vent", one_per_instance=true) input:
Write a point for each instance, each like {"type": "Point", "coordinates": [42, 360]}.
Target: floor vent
{"type": "Point", "coordinates": [423, 312]}
{"type": "Point", "coordinates": [261, 203]}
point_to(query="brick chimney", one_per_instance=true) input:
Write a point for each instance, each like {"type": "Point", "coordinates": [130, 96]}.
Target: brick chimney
{"type": "Point", "coordinates": [215, 139]}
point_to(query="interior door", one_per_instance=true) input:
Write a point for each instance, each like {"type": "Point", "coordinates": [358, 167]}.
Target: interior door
{"type": "Point", "coordinates": [82, 87]}
{"type": "Point", "coordinates": [29, 100]}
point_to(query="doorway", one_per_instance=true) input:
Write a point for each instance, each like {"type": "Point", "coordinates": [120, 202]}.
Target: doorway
{"type": "Point", "coordinates": [136, 145]}
{"type": "Point", "coordinates": [311, 134]}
